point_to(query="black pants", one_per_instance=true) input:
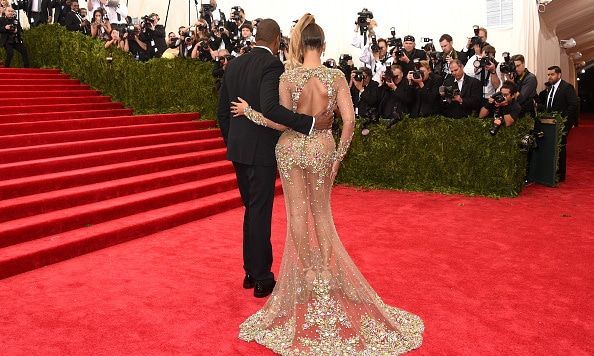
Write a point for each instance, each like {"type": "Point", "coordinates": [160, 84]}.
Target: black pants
{"type": "Point", "coordinates": [10, 47]}
{"type": "Point", "coordinates": [256, 185]}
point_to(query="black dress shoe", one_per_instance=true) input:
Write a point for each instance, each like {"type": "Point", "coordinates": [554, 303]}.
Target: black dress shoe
{"type": "Point", "coordinates": [264, 288]}
{"type": "Point", "coordinates": [248, 282]}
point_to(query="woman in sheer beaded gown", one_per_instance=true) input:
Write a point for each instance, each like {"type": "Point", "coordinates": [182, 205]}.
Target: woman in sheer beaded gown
{"type": "Point", "coordinates": [322, 304]}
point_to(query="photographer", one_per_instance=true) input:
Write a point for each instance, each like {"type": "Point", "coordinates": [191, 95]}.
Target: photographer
{"type": "Point", "coordinates": [209, 13]}
{"type": "Point", "coordinates": [62, 8]}
{"type": "Point", "coordinates": [116, 41]}
{"type": "Point", "coordinates": [462, 95]}
{"type": "Point", "coordinates": [503, 106]}
{"type": "Point", "coordinates": [526, 83]}
{"type": "Point", "coordinates": [11, 37]}
{"type": "Point", "coordinates": [220, 64]}
{"type": "Point", "coordinates": [154, 34]}
{"type": "Point", "coordinates": [202, 50]}
{"type": "Point", "coordinates": [100, 27]}
{"type": "Point", "coordinates": [395, 94]}
{"type": "Point", "coordinates": [409, 54]}
{"type": "Point", "coordinates": [485, 68]}
{"type": "Point", "coordinates": [173, 43]}
{"type": "Point", "coordinates": [219, 37]}
{"type": "Point", "coordinates": [236, 20]}
{"type": "Point", "coordinates": [441, 62]}
{"type": "Point", "coordinates": [425, 87]}
{"type": "Point", "coordinates": [365, 28]}
{"type": "Point", "coordinates": [74, 21]}
{"type": "Point", "coordinates": [364, 92]}
{"type": "Point", "coordinates": [136, 44]}
{"type": "Point", "coordinates": [38, 11]}
{"type": "Point", "coordinates": [477, 42]}
{"type": "Point", "coordinates": [187, 42]}
{"type": "Point", "coordinates": [374, 56]}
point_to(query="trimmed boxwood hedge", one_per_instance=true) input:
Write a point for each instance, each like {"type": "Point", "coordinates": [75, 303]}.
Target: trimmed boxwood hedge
{"type": "Point", "coordinates": [439, 154]}
{"type": "Point", "coordinates": [430, 154]}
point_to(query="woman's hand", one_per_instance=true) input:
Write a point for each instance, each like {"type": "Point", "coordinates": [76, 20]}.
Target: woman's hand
{"type": "Point", "coordinates": [238, 108]}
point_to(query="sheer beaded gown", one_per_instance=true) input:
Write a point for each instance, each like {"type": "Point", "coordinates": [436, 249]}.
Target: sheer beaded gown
{"type": "Point", "coordinates": [322, 304]}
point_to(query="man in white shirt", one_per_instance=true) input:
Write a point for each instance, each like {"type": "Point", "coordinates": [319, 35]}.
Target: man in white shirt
{"type": "Point", "coordinates": [484, 68]}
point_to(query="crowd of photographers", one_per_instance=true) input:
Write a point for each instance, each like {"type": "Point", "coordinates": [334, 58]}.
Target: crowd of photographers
{"type": "Point", "coordinates": [397, 78]}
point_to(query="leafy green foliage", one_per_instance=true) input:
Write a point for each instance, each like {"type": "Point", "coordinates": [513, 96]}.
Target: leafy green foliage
{"type": "Point", "coordinates": [160, 85]}
{"type": "Point", "coordinates": [439, 154]}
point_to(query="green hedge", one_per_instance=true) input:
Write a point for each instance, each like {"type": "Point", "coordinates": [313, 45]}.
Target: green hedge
{"type": "Point", "coordinates": [159, 85]}
{"type": "Point", "coordinates": [439, 154]}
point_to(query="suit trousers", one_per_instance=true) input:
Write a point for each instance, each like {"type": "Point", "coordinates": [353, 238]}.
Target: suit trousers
{"type": "Point", "coordinates": [256, 186]}
{"type": "Point", "coordinates": [10, 47]}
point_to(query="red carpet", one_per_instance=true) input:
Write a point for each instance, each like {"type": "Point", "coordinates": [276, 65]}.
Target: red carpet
{"type": "Point", "coordinates": [80, 173]}
{"type": "Point", "coordinates": [489, 277]}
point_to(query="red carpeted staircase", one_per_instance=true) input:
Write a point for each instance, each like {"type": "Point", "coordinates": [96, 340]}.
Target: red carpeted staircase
{"type": "Point", "coordinates": [79, 173]}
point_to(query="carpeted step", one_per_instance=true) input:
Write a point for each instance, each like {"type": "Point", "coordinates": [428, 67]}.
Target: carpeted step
{"type": "Point", "coordinates": [45, 138]}
{"type": "Point", "coordinates": [63, 115]}
{"type": "Point", "coordinates": [84, 193]}
{"type": "Point", "coordinates": [34, 75]}
{"type": "Point", "coordinates": [20, 154]}
{"type": "Point", "coordinates": [40, 83]}
{"type": "Point", "coordinates": [22, 102]}
{"type": "Point", "coordinates": [51, 249]}
{"type": "Point", "coordinates": [34, 109]}
{"type": "Point", "coordinates": [4, 70]}
{"type": "Point", "coordinates": [34, 87]}
{"type": "Point", "coordinates": [34, 227]}
{"type": "Point", "coordinates": [78, 161]}
{"type": "Point", "coordinates": [33, 95]}
{"type": "Point", "coordinates": [12, 188]}
{"type": "Point", "coordinates": [93, 123]}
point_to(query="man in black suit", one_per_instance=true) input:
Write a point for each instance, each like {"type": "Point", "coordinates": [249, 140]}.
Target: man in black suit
{"type": "Point", "coordinates": [11, 37]}
{"type": "Point", "coordinates": [38, 12]}
{"type": "Point", "coordinates": [255, 77]}
{"type": "Point", "coordinates": [560, 97]}
{"type": "Point", "coordinates": [468, 100]}
{"type": "Point", "coordinates": [74, 21]}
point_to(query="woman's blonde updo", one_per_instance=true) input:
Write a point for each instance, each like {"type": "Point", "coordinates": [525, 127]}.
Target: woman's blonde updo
{"type": "Point", "coordinates": [305, 35]}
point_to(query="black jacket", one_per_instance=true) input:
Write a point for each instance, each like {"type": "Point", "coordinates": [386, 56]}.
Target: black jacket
{"type": "Point", "coordinates": [472, 96]}
{"type": "Point", "coordinates": [255, 78]}
{"type": "Point", "coordinates": [366, 100]}
{"type": "Point", "coordinates": [45, 11]}
{"type": "Point", "coordinates": [527, 88]}
{"type": "Point", "coordinates": [9, 36]}
{"type": "Point", "coordinates": [72, 22]}
{"type": "Point", "coordinates": [426, 100]}
{"type": "Point", "coordinates": [416, 53]}
{"type": "Point", "coordinates": [398, 99]}
{"type": "Point", "coordinates": [565, 102]}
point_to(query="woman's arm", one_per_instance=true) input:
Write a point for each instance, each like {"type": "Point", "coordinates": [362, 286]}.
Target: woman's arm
{"type": "Point", "coordinates": [242, 108]}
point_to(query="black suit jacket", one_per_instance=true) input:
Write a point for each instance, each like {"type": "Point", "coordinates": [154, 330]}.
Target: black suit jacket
{"type": "Point", "coordinates": [426, 100]}
{"type": "Point", "coordinates": [255, 77]}
{"type": "Point", "coordinates": [565, 102]}
{"type": "Point", "coordinates": [5, 34]}
{"type": "Point", "coordinates": [45, 11]}
{"type": "Point", "coordinates": [472, 96]}
{"type": "Point", "coordinates": [72, 22]}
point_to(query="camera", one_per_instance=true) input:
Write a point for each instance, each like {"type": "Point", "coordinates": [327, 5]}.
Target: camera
{"type": "Point", "coordinates": [284, 43]}
{"type": "Point", "coordinates": [417, 71]}
{"type": "Point", "coordinates": [146, 21]}
{"type": "Point", "coordinates": [20, 4]}
{"type": "Point", "coordinates": [530, 141]}
{"type": "Point", "coordinates": [507, 66]}
{"type": "Point", "coordinates": [428, 46]}
{"type": "Point", "coordinates": [330, 63]}
{"type": "Point", "coordinates": [374, 45]}
{"type": "Point", "coordinates": [206, 10]}
{"type": "Point", "coordinates": [498, 97]}
{"type": "Point", "coordinates": [448, 92]}
{"type": "Point", "coordinates": [358, 75]}
{"type": "Point", "coordinates": [495, 128]}
{"type": "Point", "coordinates": [343, 60]}
{"type": "Point", "coordinates": [484, 61]}
{"type": "Point", "coordinates": [362, 18]}
{"type": "Point", "coordinates": [236, 13]}
{"type": "Point", "coordinates": [475, 40]}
